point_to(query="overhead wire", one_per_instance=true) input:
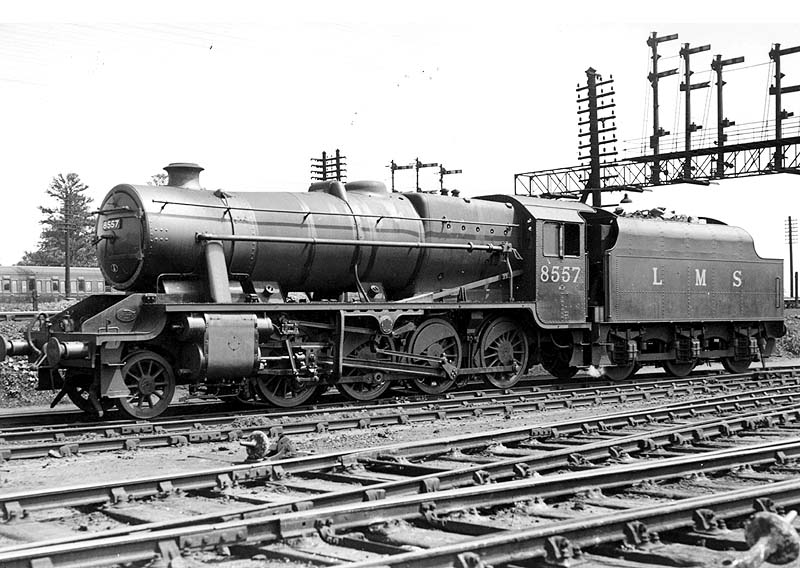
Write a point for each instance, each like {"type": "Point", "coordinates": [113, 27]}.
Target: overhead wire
{"type": "Point", "coordinates": [704, 133]}
{"type": "Point", "coordinates": [765, 111]}
{"type": "Point", "coordinates": [648, 87]}
{"type": "Point", "coordinates": [678, 103]}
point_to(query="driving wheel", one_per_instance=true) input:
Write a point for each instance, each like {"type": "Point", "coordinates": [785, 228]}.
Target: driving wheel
{"type": "Point", "coordinates": [503, 343]}
{"type": "Point", "coordinates": [437, 338]}
{"type": "Point", "coordinates": [282, 389]}
{"type": "Point", "coordinates": [373, 386]}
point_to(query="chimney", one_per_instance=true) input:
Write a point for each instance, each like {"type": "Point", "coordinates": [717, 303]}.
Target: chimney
{"type": "Point", "coordinates": [184, 174]}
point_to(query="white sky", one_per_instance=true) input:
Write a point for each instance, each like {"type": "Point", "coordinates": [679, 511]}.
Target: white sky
{"type": "Point", "coordinates": [252, 91]}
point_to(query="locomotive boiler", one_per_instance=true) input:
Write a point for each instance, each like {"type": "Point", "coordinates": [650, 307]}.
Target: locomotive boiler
{"type": "Point", "coordinates": [275, 297]}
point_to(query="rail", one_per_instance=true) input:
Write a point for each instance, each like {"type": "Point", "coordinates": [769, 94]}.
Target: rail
{"type": "Point", "coordinates": [18, 316]}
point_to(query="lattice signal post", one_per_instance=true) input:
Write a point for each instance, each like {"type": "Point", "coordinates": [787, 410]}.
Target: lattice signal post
{"type": "Point", "coordinates": [777, 90]}
{"type": "Point", "coordinates": [687, 87]}
{"type": "Point", "coordinates": [747, 157]}
{"type": "Point", "coordinates": [416, 165]}
{"type": "Point", "coordinates": [419, 165]}
{"type": "Point", "coordinates": [394, 167]}
{"type": "Point", "coordinates": [722, 123]}
{"type": "Point", "coordinates": [654, 77]}
{"type": "Point", "coordinates": [445, 172]}
{"type": "Point", "coordinates": [329, 167]}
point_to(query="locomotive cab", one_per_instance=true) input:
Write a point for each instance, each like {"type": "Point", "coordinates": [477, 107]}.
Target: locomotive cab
{"type": "Point", "coordinates": [554, 257]}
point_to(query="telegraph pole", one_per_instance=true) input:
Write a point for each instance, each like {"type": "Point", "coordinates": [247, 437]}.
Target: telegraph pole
{"type": "Point", "coordinates": [791, 238]}
{"type": "Point", "coordinates": [329, 167]}
{"type": "Point", "coordinates": [597, 130]}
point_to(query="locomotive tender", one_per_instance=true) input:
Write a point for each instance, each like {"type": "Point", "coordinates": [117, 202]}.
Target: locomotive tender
{"type": "Point", "coordinates": [274, 297]}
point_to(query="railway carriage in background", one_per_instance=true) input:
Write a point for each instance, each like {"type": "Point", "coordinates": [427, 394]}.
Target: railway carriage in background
{"type": "Point", "coordinates": [274, 297]}
{"type": "Point", "coordinates": [17, 283]}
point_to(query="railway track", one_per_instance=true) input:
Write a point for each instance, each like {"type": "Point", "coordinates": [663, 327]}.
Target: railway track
{"type": "Point", "coordinates": [65, 440]}
{"type": "Point", "coordinates": [570, 481]}
{"type": "Point", "coordinates": [66, 415]}
{"type": "Point", "coordinates": [24, 315]}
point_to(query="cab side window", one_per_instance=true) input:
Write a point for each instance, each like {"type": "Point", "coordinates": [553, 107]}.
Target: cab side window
{"type": "Point", "coordinates": [572, 239]}
{"type": "Point", "coordinates": [550, 239]}
{"type": "Point", "coordinates": [561, 239]}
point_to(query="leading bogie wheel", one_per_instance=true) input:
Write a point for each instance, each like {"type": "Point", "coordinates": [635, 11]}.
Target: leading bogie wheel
{"type": "Point", "coordinates": [503, 343]}
{"type": "Point", "coordinates": [151, 384]}
{"type": "Point", "coordinates": [79, 385]}
{"type": "Point", "coordinates": [435, 337]}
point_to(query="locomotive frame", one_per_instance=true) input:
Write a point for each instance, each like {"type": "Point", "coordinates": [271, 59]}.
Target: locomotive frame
{"type": "Point", "coordinates": [351, 286]}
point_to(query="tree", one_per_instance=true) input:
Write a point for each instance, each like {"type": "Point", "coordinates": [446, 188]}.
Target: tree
{"type": "Point", "coordinates": [70, 217]}
{"type": "Point", "coordinates": [158, 179]}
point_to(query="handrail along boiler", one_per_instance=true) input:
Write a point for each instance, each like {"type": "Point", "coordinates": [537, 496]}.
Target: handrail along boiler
{"type": "Point", "coordinates": [274, 297]}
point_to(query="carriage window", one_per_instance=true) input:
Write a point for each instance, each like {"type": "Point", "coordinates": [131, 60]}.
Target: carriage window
{"type": "Point", "coordinates": [87, 286]}
{"type": "Point", "coordinates": [55, 286]}
{"type": "Point", "coordinates": [6, 285]}
{"type": "Point", "coordinates": [14, 287]}
{"type": "Point", "coordinates": [31, 284]}
{"type": "Point", "coordinates": [561, 239]}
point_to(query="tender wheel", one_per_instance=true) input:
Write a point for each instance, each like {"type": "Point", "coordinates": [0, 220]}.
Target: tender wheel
{"type": "Point", "coordinates": [555, 361]}
{"type": "Point", "coordinates": [151, 383]}
{"type": "Point", "coordinates": [620, 372]}
{"type": "Point", "coordinates": [368, 390]}
{"type": "Point", "coordinates": [736, 367]}
{"type": "Point", "coordinates": [679, 370]}
{"type": "Point", "coordinates": [438, 338]}
{"type": "Point", "coordinates": [503, 343]}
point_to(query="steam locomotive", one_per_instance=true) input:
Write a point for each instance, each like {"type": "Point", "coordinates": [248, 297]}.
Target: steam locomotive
{"type": "Point", "coordinates": [274, 297]}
